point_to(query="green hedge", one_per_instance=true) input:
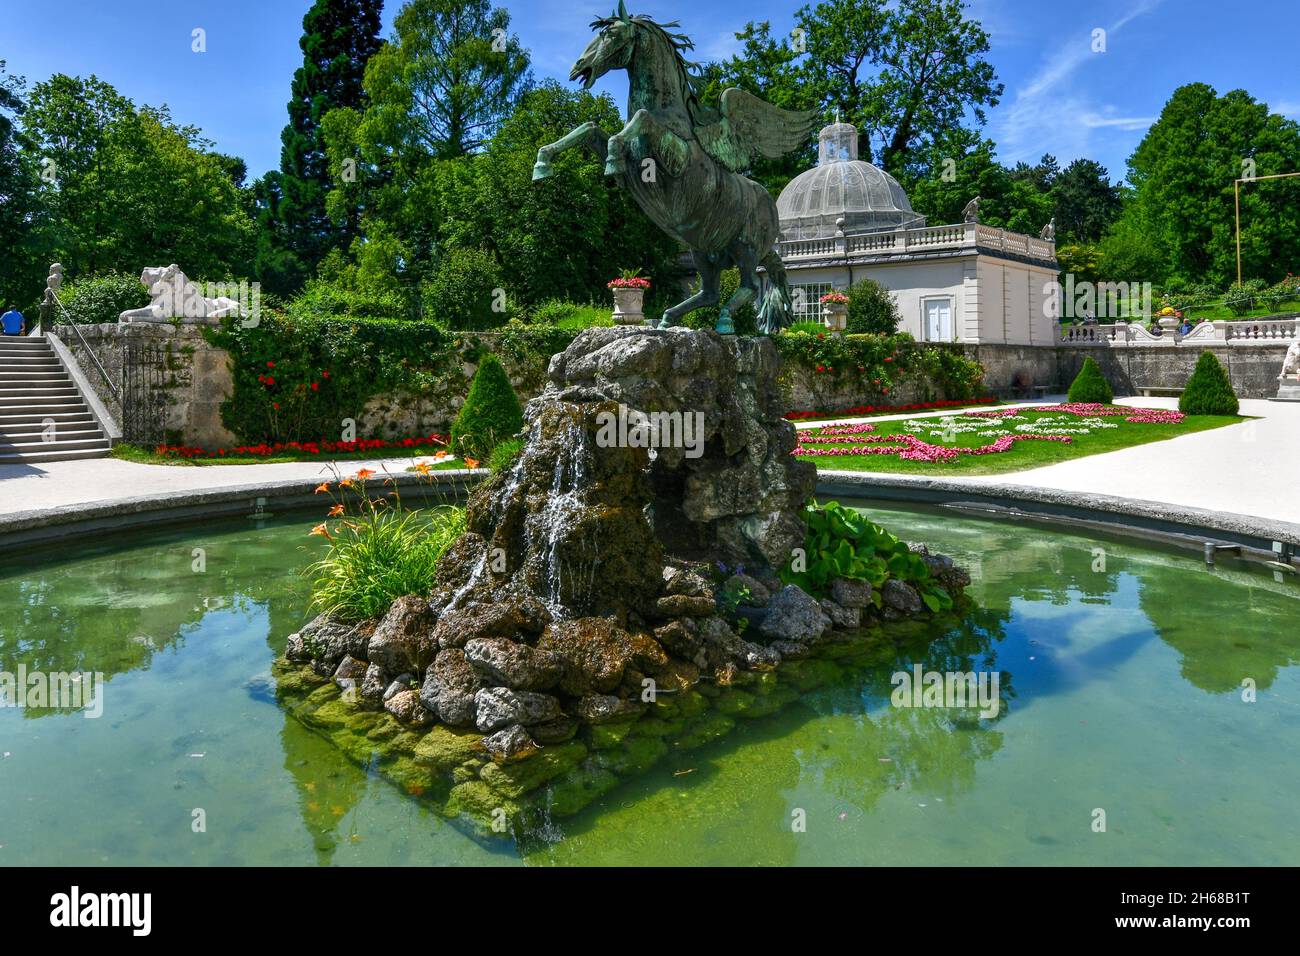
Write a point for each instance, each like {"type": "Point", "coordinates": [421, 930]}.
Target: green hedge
{"type": "Point", "coordinates": [1090, 385]}
{"type": "Point", "coordinates": [103, 297]}
{"type": "Point", "coordinates": [490, 415]}
{"type": "Point", "coordinates": [1209, 390]}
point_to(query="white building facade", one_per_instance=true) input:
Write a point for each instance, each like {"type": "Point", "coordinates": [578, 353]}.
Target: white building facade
{"type": "Point", "coordinates": [845, 220]}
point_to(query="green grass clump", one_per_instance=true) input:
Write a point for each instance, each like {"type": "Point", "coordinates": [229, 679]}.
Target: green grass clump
{"type": "Point", "coordinates": [378, 553]}
{"type": "Point", "coordinates": [491, 412]}
{"type": "Point", "coordinates": [812, 328]}
{"type": "Point", "coordinates": [504, 455]}
{"type": "Point", "coordinates": [1208, 391]}
{"type": "Point", "coordinates": [1090, 386]}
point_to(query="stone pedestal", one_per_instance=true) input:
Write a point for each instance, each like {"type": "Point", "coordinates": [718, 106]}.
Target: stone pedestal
{"type": "Point", "coordinates": [1287, 392]}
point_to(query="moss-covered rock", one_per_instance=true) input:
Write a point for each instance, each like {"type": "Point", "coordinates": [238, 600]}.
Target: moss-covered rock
{"type": "Point", "coordinates": [445, 749]}
{"type": "Point", "coordinates": [517, 779]}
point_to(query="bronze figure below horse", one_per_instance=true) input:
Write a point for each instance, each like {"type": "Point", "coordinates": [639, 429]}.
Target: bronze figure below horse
{"type": "Point", "coordinates": [683, 162]}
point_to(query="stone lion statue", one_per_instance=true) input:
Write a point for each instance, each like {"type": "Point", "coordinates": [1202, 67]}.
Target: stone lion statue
{"type": "Point", "coordinates": [176, 297]}
{"type": "Point", "coordinates": [1291, 364]}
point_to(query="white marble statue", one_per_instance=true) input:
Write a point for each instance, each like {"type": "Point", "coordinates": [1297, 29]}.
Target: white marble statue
{"type": "Point", "coordinates": [1291, 364]}
{"type": "Point", "coordinates": [971, 213]}
{"type": "Point", "coordinates": [1048, 232]}
{"type": "Point", "coordinates": [176, 297]}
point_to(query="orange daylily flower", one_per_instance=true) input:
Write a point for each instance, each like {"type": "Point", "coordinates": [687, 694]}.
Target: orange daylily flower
{"type": "Point", "coordinates": [346, 483]}
{"type": "Point", "coordinates": [321, 529]}
{"type": "Point", "coordinates": [471, 462]}
{"type": "Point", "coordinates": [322, 487]}
{"type": "Point", "coordinates": [422, 468]}
{"type": "Point", "coordinates": [336, 511]}
{"type": "Point", "coordinates": [364, 473]}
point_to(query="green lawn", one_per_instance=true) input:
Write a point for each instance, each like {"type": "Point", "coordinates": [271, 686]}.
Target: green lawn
{"type": "Point", "coordinates": [1022, 455]}
{"type": "Point", "coordinates": [147, 456]}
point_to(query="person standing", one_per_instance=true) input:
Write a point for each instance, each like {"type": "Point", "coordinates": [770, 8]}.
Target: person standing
{"type": "Point", "coordinates": [13, 321]}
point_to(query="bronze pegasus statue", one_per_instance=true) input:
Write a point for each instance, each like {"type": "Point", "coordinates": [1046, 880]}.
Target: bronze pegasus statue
{"type": "Point", "coordinates": [684, 163]}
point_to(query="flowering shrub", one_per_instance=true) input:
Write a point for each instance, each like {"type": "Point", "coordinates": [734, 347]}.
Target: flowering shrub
{"type": "Point", "coordinates": [879, 363]}
{"type": "Point", "coordinates": [378, 551]}
{"type": "Point", "coordinates": [322, 448]}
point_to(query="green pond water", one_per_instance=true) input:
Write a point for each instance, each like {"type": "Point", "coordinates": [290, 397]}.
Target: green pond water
{"type": "Point", "coordinates": [1121, 690]}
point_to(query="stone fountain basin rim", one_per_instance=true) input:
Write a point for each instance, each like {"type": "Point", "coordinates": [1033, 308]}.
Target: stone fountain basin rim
{"type": "Point", "coordinates": [1139, 518]}
{"type": "Point", "coordinates": [191, 506]}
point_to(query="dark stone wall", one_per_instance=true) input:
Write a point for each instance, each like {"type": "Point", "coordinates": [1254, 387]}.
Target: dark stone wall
{"type": "Point", "coordinates": [1252, 368]}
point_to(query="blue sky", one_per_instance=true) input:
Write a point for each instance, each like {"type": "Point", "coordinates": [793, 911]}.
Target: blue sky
{"type": "Point", "coordinates": [1060, 96]}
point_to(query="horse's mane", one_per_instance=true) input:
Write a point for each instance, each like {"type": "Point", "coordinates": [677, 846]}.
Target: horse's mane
{"type": "Point", "coordinates": [678, 43]}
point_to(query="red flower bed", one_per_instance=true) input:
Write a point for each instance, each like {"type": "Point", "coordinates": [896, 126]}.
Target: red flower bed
{"type": "Point", "coordinates": [888, 409]}
{"type": "Point", "coordinates": [322, 448]}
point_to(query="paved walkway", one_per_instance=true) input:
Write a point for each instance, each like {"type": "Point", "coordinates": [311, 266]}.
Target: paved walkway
{"type": "Point", "coordinates": [1246, 469]}
{"type": "Point", "coordinates": [58, 484]}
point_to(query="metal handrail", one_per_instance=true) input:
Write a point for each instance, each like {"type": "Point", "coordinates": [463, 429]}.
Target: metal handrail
{"type": "Point", "coordinates": [108, 380]}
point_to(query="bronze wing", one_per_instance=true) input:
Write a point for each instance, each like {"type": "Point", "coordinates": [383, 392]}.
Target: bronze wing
{"type": "Point", "coordinates": [751, 128]}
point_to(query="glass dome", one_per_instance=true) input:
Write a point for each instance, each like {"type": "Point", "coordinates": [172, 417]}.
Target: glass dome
{"type": "Point", "coordinates": [842, 187]}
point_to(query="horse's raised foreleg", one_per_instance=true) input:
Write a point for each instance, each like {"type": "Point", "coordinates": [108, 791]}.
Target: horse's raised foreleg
{"type": "Point", "coordinates": [663, 145]}
{"type": "Point", "coordinates": [588, 134]}
{"type": "Point", "coordinates": [710, 269]}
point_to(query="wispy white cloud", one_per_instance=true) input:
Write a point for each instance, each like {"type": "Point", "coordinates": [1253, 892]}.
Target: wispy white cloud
{"type": "Point", "coordinates": [1289, 108]}
{"type": "Point", "coordinates": [1049, 109]}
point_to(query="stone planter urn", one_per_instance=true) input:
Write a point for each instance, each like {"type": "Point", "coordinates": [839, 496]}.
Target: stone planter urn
{"type": "Point", "coordinates": [835, 316]}
{"type": "Point", "coordinates": [628, 306]}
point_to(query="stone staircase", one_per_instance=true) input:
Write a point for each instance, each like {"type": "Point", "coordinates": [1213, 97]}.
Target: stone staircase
{"type": "Point", "coordinates": [35, 392]}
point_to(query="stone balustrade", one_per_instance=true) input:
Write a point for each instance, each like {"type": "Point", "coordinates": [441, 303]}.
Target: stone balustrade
{"type": "Point", "coordinates": [958, 237]}
{"type": "Point", "coordinates": [1243, 332]}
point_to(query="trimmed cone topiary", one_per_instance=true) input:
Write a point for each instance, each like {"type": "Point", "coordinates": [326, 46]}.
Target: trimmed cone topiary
{"type": "Point", "coordinates": [1090, 386]}
{"type": "Point", "coordinates": [491, 412]}
{"type": "Point", "coordinates": [1209, 390]}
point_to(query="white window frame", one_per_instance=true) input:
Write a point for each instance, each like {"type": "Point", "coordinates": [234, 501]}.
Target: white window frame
{"type": "Point", "coordinates": [925, 317]}
{"type": "Point", "coordinates": [813, 292]}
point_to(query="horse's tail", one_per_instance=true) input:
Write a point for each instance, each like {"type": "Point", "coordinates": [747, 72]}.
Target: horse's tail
{"type": "Point", "coordinates": [777, 311]}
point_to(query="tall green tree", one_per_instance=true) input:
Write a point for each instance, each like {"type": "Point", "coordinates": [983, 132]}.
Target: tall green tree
{"type": "Point", "coordinates": [338, 39]}
{"type": "Point", "coordinates": [443, 84]}
{"type": "Point", "coordinates": [127, 187]}
{"type": "Point", "coordinates": [1085, 200]}
{"type": "Point", "coordinates": [905, 73]}
{"type": "Point", "coordinates": [1182, 176]}
{"type": "Point", "coordinates": [436, 92]}
{"type": "Point", "coordinates": [23, 225]}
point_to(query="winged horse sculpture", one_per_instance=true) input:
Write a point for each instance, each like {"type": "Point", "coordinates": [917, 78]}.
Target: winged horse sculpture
{"type": "Point", "coordinates": [684, 163]}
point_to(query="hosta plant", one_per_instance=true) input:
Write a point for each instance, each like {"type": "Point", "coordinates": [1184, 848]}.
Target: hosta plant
{"type": "Point", "coordinates": [842, 543]}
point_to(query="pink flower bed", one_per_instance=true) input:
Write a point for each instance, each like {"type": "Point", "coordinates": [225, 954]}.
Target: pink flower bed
{"type": "Point", "coordinates": [1140, 416]}
{"type": "Point", "coordinates": [913, 449]}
